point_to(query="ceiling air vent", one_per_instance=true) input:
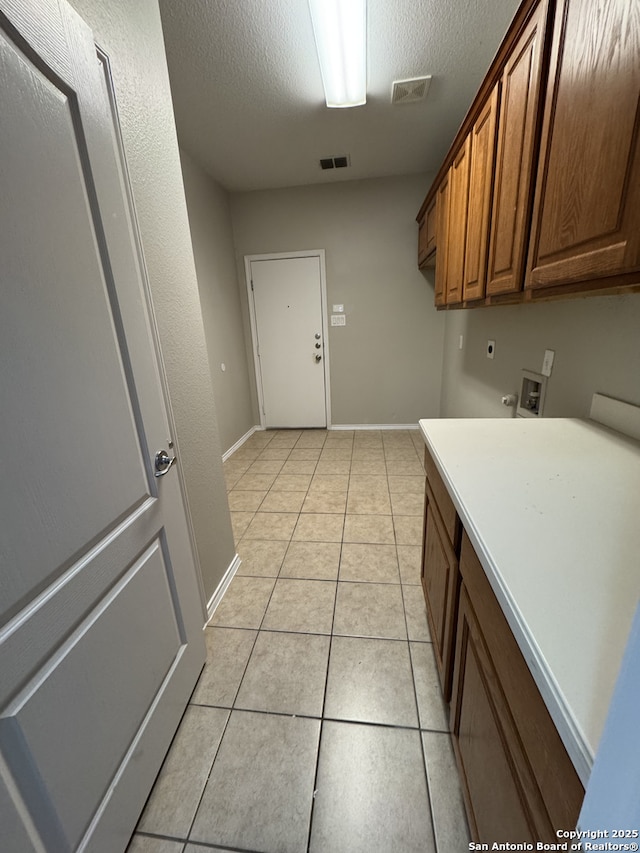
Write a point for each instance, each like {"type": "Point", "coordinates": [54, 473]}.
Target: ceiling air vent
{"type": "Point", "coordinates": [335, 162]}
{"type": "Point", "coordinates": [407, 91]}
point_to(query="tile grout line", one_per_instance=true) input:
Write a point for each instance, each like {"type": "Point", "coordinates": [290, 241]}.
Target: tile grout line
{"type": "Point", "coordinates": [323, 717]}
{"type": "Point", "coordinates": [230, 710]}
{"type": "Point", "coordinates": [413, 678]}
{"type": "Point", "coordinates": [204, 787]}
{"type": "Point", "coordinates": [326, 677]}
{"type": "Point", "coordinates": [278, 576]}
{"type": "Point", "coordinates": [417, 704]}
{"type": "Point", "coordinates": [197, 808]}
{"type": "Point", "coordinates": [201, 845]}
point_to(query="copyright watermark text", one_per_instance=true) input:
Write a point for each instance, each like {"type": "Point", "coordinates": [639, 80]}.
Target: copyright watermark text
{"type": "Point", "coordinates": [587, 841]}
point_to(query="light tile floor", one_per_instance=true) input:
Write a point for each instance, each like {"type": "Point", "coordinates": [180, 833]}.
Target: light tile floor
{"type": "Point", "coordinates": [317, 723]}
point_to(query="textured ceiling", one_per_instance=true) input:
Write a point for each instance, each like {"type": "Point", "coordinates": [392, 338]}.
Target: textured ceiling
{"type": "Point", "coordinates": [248, 95]}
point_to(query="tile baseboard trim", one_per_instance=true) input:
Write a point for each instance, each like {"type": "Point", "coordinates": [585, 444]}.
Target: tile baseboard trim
{"type": "Point", "coordinates": [373, 426]}
{"type": "Point", "coordinates": [240, 442]}
{"type": "Point", "coordinates": [222, 587]}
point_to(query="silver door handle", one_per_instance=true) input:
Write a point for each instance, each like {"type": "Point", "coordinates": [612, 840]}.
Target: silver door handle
{"type": "Point", "coordinates": [163, 463]}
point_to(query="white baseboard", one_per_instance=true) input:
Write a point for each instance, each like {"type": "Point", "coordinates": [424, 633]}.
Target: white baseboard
{"type": "Point", "coordinates": [240, 442]}
{"type": "Point", "coordinates": [373, 426]}
{"type": "Point", "coordinates": [216, 598]}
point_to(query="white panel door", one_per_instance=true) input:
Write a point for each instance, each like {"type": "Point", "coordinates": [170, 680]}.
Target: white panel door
{"type": "Point", "coordinates": [100, 606]}
{"type": "Point", "coordinates": [287, 298]}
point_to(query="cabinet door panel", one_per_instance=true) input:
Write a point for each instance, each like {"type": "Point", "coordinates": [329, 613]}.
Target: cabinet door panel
{"type": "Point", "coordinates": [586, 221]}
{"type": "Point", "coordinates": [445, 505]}
{"type": "Point", "coordinates": [458, 203]}
{"type": "Point", "coordinates": [431, 227]}
{"type": "Point", "coordinates": [495, 800]}
{"type": "Point", "coordinates": [427, 235]}
{"type": "Point", "coordinates": [422, 241]}
{"type": "Point", "coordinates": [442, 239]}
{"type": "Point", "coordinates": [441, 584]}
{"type": "Point", "coordinates": [436, 578]}
{"type": "Point", "coordinates": [483, 140]}
{"type": "Point", "coordinates": [517, 130]}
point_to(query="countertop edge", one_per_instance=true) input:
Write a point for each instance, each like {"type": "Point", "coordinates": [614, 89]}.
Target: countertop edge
{"type": "Point", "coordinates": [568, 728]}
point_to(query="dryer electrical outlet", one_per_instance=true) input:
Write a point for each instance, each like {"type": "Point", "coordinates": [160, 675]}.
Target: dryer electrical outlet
{"type": "Point", "coordinates": [547, 362]}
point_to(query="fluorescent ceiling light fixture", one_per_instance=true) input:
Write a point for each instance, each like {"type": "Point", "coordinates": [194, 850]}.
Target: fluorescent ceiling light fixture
{"type": "Point", "coordinates": [340, 30]}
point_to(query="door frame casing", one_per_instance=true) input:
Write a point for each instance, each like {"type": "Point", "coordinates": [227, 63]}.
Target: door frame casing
{"type": "Point", "coordinates": [280, 256]}
{"type": "Point", "coordinates": [145, 285]}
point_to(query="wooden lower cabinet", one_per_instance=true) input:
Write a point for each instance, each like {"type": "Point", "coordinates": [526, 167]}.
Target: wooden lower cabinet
{"type": "Point", "coordinates": [496, 805]}
{"type": "Point", "coordinates": [518, 781]}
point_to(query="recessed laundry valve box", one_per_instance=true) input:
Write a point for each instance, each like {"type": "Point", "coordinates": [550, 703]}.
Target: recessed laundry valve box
{"type": "Point", "coordinates": [532, 395]}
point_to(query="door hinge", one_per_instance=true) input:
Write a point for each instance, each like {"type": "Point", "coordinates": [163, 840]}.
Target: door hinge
{"type": "Point", "coordinates": [252, 285]}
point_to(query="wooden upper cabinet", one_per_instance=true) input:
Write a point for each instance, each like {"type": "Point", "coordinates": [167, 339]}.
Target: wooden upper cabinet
{"type": "Point", "coordinates": [514, 173]}
{"type": "Point", "coordinates": [442, 239]}
{"type": "Point", "coordinates": [427, 235]}
{"type": "Point", "coordinates": [586, 217]}
{"type": "Point", "coordinates": [483, 144]}
{"type": "Point", "coordinates": [457, 233]}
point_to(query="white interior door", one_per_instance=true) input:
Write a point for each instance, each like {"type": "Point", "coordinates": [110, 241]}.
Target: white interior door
{"type": "Point", "coordinates": [100, 606]}
{"type": "Point", "coordinates": [290, 340]}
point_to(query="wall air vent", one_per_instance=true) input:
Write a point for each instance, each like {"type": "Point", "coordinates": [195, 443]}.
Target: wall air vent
{"type": "Point", "coordinates": [407, 91]}
{"type": "Point", "coordinates": [335, 162]}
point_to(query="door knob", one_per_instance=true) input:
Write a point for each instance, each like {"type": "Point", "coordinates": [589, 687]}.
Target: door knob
{"type": "Point", "coordinates": [318, 357]}
{"type": "Point", "coordinates": [162, 462]}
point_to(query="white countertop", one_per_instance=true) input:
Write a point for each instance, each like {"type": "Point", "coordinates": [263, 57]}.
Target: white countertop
{"type": "Point", "coordinates": [552, 508]}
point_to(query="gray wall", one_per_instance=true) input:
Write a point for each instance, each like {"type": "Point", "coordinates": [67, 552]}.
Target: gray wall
{"type": "Point", "coordinates": [212, 238]}
{"type": "Point", "coordinates": [131, 34]}
{"type": "Point", "coordinates": [596, 343]}
{"type": "Point", "coordinates": [386, 363]}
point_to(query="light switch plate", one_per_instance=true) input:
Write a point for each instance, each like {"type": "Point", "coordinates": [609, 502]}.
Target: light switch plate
{"type": "Point", "coordinates": [338, 309]}
{"type": "Point", "coordinates": [547, 362]}
{"type": "Point", "coordinates": [338, 320]}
